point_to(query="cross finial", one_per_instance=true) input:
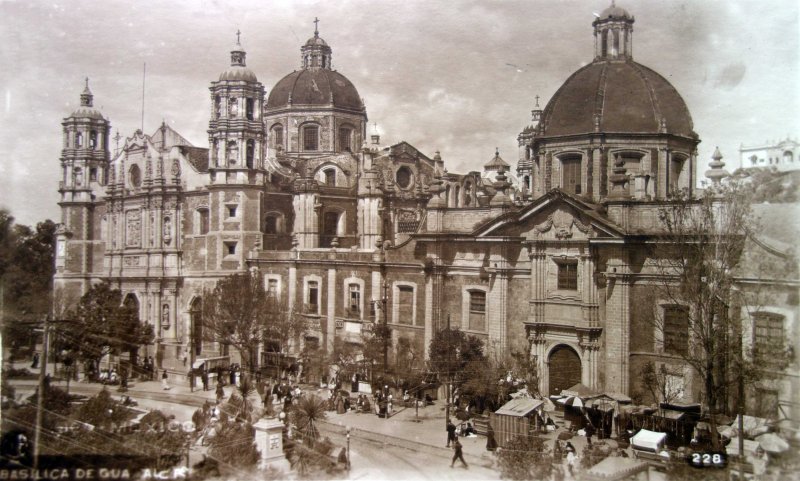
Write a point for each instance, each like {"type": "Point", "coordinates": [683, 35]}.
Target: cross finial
{"type": "Point", "coordinates": [537, 100]}
{"type": "Point", "coordinates": [238, 33]}
{"type": "Point", "coordinates": [496, 152]}
{"type": "Point", "coordinates": [87, 82]}
{"type": "Point", "coordinates": [316, 27]}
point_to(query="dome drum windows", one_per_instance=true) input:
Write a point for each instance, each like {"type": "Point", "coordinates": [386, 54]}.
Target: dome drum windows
{"type": "Point", "coordinates": [93, 140]}
{"type": "Point", "coordinates": [310, 138]}
{"type": "Point", "coordinates": [345, 139]}
{"type": "Point", "coordinates": [277, 137]}
{"type": "Point", "coordinates": [571, 178]}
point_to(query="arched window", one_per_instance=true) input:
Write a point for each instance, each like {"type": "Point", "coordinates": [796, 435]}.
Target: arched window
{"type": "Point", "coordinates": [345, 139]}
{"type": "Point", "coordinates": [233, 107]}
{"type": "Point", "coordinates": [311, 137]}
{"type": "Point", "coordinates": [277, 136]}
{"type": "Point", "coordinates": [403, 177]}
{"type": "Point", "coordinates": [457, 202]}
{"type": "Point", "coordinates": [467, 194]}
{"type": "Point", "coordinates": [135, 176]}
{"type": "Point", "coordinates": [604, 43]}
{"type": "Point", "coordinates": [330, 228]}
{"type": "Point", "coordinates": [788, 156]}
{"type": "Point", "coordinates": [527, 180]}
{"type": "Point", "coordinates": [232, 152]}
{"type": "Point", "coordinates": [250, 153]}
{"type": "Point", "coordinates": [272, 224]}
{"type": "Point", "coordinates": [78, 140]}
{"type": "Point", "coordinates": [330, 176]}
{"type": "Point", "coordinates": [248, 108]}
{"type": "Point", "coordinates": [93, 139]}
{"type": "Point", "coordinates": [217, 106]}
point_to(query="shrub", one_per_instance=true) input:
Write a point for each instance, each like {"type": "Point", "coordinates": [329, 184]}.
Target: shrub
{"type": "Point", "coordinates": [525, 457]}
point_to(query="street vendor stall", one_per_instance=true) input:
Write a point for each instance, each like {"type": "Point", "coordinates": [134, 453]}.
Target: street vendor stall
{"type": "Point", "coordinates": [517, 417]}
{"type": "Point", "coordinates": [648, 441]}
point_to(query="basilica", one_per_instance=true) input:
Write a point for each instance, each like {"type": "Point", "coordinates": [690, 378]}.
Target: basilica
{"type": "Point", "coordinates": [553, 259]}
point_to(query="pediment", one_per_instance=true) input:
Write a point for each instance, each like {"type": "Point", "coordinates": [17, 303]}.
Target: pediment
{"type": "Point", "coordinates": [555, 216]}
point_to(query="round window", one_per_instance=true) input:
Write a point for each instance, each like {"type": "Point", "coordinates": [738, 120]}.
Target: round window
{"type": "Point", "coordinates": [403, 177]}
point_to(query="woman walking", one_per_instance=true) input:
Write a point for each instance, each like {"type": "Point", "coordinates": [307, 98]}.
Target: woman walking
{"type": "Point", "coordinates": [164, 380]}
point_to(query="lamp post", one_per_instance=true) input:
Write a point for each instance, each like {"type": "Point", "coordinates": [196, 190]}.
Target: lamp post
{"type": "Point", "coordinates": [348, 447]}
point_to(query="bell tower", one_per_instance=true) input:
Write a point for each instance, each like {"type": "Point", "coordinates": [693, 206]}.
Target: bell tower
{"type": "Point", "coordinates": [236, 163]}
{"type": "Point", "coordinates": [85, 158]}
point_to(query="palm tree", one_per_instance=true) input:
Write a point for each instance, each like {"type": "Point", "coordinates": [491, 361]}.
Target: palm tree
{"type": "Point", "coordinates": [309, 410]}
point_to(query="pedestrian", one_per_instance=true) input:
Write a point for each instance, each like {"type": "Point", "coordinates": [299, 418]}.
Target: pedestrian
{"type": "Point", "coordinates": [35, 360]}
{"type": "Point", "coordinates": [571, 461]}
{"type": "Point", "coordinates": [590, 430]}
{"type": "Point", "coordinates": [451, 432]}
{"type": "Point", "coordinates": [220, 392]}
{"type": "Point", "coordinates": [232, 375]}
{"type": "Point", "coordinates": [491, 443]}
{"type": "Point", "coordinates": [457, 454]}
{"type": "Point", "coordinates": [204, 378]}
{"type": "Point", "coordinates": [164, 382]}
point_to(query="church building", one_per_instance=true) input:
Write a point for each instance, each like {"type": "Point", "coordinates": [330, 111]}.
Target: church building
{"type": "Point", "coordinates": [348, 232]}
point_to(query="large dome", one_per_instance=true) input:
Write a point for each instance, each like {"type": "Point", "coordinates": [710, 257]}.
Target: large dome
{"type": "Point", "coordinates": [317, 87]}
{"type": "Point", "coordinates": [626, 97]}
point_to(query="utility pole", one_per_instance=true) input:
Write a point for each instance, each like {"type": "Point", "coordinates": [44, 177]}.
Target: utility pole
{"type": "Point", "coordinates": [385, 328]}
{"type": "Point", "coordinates": [37, 436]}
{"type": "Point", "coordinates": [447, 385]}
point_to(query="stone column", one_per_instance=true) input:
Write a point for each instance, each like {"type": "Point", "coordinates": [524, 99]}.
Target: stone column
{"type": "Point", "coordinates": [428, 313]}
{"type": "Point", "coordinates": [498, 307]}
{"type": "Point", "coordinates": [292, 289]}
{"type": "Point", "coordinates": [617, 327]}
{"type": "Point", "coordinates": [331, 328]}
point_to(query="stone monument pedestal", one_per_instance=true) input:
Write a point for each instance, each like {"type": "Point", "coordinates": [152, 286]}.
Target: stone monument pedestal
{"type": "Point", "coordinates": [269, 441]}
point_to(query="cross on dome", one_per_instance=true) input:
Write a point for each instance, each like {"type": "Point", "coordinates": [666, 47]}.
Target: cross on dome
{"type": "Point", "coordinates": [238, 33]}
{"type": "Point", "coordinates": [316, 27]}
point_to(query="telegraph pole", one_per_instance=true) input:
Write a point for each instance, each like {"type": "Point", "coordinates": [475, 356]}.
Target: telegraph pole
{"type": "Point", "coordinates": [385, 328]}
{"type": "Point", "coordinates": [37, 436]}
{"type": "Point", "coordinates": [447, 385]}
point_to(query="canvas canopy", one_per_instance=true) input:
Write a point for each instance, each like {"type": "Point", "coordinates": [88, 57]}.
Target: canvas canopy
{"type": "Point", "coordinates": [646, 440]}
{"type": "Point", "coordinates": [579, 390]}
{"type": "Point", "coordinates": [750, 447]}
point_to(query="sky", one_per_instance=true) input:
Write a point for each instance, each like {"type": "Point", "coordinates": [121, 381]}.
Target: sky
{"type": "Point", "coordinates": [455, 76]}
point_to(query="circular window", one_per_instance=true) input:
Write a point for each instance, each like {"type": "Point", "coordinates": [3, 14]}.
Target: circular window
{"type": "Point", "coordinates": [403, 177]}
{"type": "Point", "coordinates": [135, 176]}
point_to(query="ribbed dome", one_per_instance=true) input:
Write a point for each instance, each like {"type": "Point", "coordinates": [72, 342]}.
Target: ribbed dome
{"type": "Point", "coordinates": [315, 86]}
{"type": "Point", "coordinates": [626, 97]}
{"type": "Point", "coordinates": [614, 12]}
{"type": "Point", "coordinates": [238, 73]}
{"type": "Point", "coordinates": [87, 113]}
{"type": "Point", "coordinates": [316, 40]}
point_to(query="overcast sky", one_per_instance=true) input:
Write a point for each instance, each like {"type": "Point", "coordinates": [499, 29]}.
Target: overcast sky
{"type": "Point", "coordinates": [454, 76]}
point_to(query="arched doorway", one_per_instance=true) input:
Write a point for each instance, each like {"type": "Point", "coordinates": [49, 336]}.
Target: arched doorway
{"type": "Point", "coordinates": [196, 313]}
{"type": "Point", "coordinates": [131, 303]}
{"type": "Point", "coordinates": [565, 369]}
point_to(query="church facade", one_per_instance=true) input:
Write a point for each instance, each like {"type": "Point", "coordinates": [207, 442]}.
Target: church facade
{"type": "Point", "coordinates": [350, 233]}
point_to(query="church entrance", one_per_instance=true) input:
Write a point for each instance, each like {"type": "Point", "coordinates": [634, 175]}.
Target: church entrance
{"type": "Point", "coordinates": [565, 369]}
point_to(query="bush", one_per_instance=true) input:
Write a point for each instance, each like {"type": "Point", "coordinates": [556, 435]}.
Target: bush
{"type": "Point", "coordinates": [103, 412]}
{"type": "Point", "coordinates": [525, 457]}
{"type": "Point", "coordinates": [13, 373]}
{"type": "Point", "coordinates": [56, 400]}
{"type": "Point", "coordinates": [234, 444]}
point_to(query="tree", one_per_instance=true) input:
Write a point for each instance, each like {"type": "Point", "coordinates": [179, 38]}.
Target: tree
{"type": "Point", "coordinates": [526, 457]}
{"type": "Point", "coordinates": [102, 324]}
{"type": "Point", "coordinates": [233, 445]}
{"type": "Point", "coordinates": [374, 345]}
{"type": "Point", "coordinates": [451, 350]}
{"type": "Point", "coordinates": [705, 238]}
{"type": "Point", "coordinates": [658, 383]}
{"type": "Point", "coordinates": [240, 312]}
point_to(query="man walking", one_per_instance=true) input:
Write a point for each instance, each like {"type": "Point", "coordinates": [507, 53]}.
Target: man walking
{"type": "Point", "coordinates": [451, 432]}
{"type": "Point", "coordinates": [458, 454]}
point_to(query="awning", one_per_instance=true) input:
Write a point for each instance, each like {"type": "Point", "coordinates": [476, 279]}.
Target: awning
{"type": "Point", "coordinates": [772, 443]}
{"type": "Point", "coordinates": [520, 407]}
{"type": "Point", "coordinates": [671, 414]}
{"type": "Point", "coordinates": [579, 390]}
{"type": "Point", "coordinates": [646, 440]}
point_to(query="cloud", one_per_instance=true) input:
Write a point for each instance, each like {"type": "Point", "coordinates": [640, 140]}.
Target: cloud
{"type": "Point", "coordinates": [730, 76]}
